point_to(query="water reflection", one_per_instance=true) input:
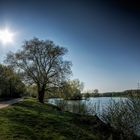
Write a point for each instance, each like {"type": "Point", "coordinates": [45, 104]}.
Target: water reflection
{"type": "Point", "coordinates": [92, 106]}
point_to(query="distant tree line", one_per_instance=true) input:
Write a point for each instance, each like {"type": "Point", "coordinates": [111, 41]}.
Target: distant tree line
{"type": "Point", "coordinates": [122, 94]}
{"type": "Point", "coordinates": [92, 93]}
{"type": "Point", "coordinates": [125, 93]}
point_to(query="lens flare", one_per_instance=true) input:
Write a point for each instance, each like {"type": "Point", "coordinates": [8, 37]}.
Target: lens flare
{"type": "Point", "coordinates": [6, 36]}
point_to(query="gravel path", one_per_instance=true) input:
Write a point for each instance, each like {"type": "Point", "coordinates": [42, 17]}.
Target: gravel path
{"type": "Point", "coordinates": [9, 102]}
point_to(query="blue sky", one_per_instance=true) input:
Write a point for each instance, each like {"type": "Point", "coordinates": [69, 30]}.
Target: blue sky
{"type": "Point", "coordinates": [103, 38]}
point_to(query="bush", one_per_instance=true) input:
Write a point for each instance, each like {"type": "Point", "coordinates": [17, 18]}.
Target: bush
{"type": "Point", "coordinates": [124, 116]}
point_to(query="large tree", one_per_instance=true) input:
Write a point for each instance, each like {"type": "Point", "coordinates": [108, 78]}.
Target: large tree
{"type": "Point", "coordinates": [41, 62]}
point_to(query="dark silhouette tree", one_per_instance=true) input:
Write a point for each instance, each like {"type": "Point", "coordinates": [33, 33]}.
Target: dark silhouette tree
{"type": "Point", "coordinates": [41, 63]}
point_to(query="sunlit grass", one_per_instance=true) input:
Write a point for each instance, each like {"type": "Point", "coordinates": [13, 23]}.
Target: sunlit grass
{"type": "Point", "coordinates": [32, 120]}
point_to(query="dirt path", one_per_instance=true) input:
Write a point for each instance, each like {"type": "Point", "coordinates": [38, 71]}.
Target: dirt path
{"type": "Point", "coordinates": [9, 102]}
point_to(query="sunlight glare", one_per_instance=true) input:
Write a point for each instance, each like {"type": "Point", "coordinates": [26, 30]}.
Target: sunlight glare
{"type": "Point", "coordinates": [6, 36]}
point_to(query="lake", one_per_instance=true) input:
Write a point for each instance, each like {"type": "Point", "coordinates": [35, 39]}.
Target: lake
{"type": "Point", "coordinates": [93, 105]}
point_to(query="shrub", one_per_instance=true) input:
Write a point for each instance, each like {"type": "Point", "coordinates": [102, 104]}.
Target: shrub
{"type": "Point", "coordinates": [124, 116]}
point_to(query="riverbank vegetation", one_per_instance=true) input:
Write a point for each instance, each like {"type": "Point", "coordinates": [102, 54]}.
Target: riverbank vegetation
{"type": "Point", "coordinates": [68, 90]}
{"type": "Point", "coordinates": [71, 90]}
{"type": "Point", "coordinates": [31, 120]}
{"type": "Point", "coordinates": [124, 116]}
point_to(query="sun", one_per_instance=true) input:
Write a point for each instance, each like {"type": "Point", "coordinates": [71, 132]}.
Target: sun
{"type": "Point", "coordinates": [6, 36]}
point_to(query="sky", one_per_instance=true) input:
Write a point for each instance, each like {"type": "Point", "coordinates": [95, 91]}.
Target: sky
{"type": "Point", "coordinates": [102, 36]}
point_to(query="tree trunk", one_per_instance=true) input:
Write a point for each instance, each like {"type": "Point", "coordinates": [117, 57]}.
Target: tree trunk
{"type": "Point", "coordinates": [41, 93]}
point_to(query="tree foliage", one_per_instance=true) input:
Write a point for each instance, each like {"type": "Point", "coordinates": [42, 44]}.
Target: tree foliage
{"type": "Point", "coordinates": [71, 89]}
{"type": "Point", "coordinates": [10, 83]}
{"type": "Point", "coordinates": [41, 62]}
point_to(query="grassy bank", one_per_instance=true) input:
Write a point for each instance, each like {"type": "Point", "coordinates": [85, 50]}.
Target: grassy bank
{"type": "Point", "coordinates": [29, 120]}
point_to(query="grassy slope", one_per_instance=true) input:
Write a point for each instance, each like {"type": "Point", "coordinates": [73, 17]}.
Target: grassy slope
{"type": "Point", "coordinates": [32, 120]}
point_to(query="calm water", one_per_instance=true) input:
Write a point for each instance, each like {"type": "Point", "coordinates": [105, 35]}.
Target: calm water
{"type": "Point", "coordinates": [94, 103]}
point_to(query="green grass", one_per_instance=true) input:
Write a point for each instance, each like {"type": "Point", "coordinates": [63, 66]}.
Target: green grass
{"type": "Point", "coordinates": [30, 120]}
